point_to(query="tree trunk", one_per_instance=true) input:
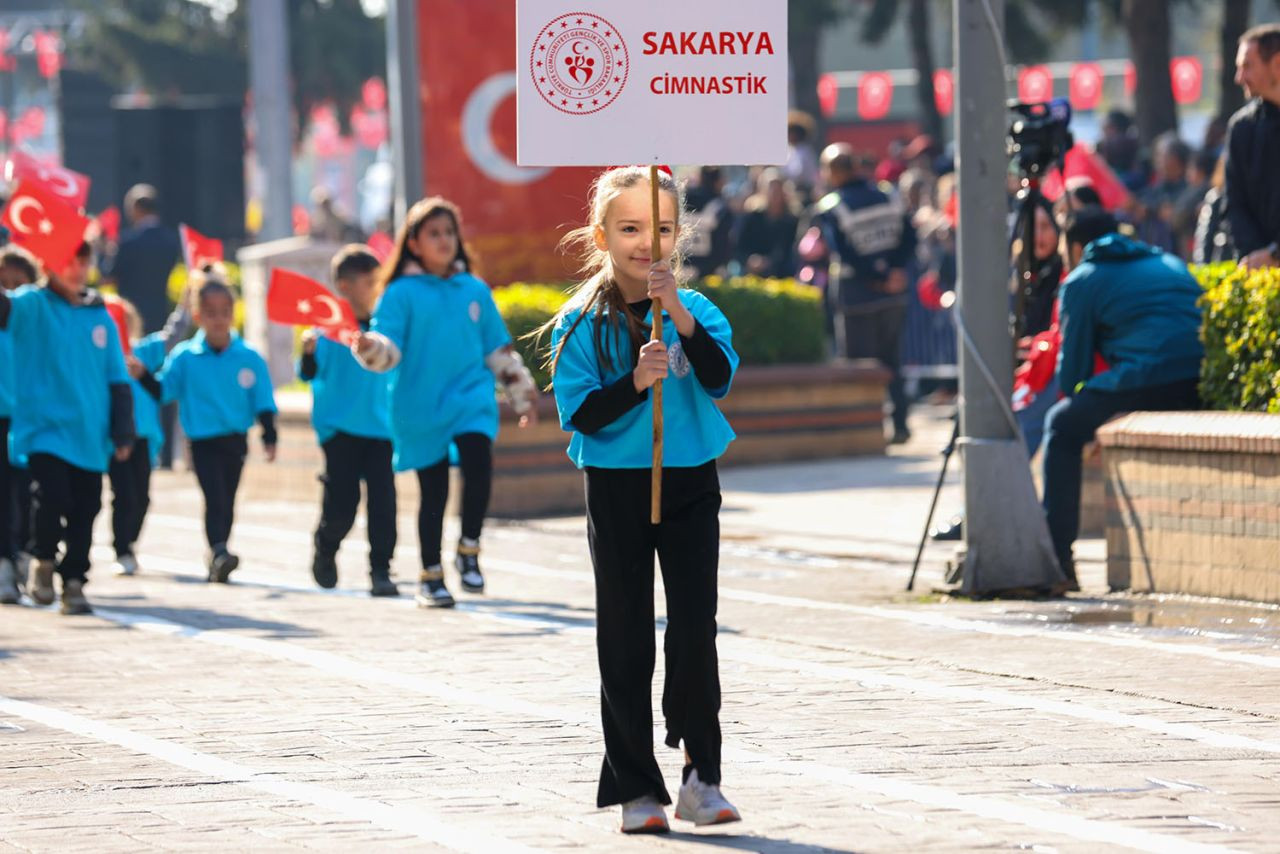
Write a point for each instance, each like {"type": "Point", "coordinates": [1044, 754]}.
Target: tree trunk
{"type": "Point", "coordinates": [922, 56]}
{"type": "Point", "coordinates": [803, 44]}
{"type": "Point", "coordinates": [1235, 20]}
{"type": "Point", "coordinates": [1147, 23]}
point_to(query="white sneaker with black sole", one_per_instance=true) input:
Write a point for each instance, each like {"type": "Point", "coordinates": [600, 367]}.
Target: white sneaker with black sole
{"type": "Point", "coordinates": [644, 815]}
{"type": "Point", "coordinates": [703, 804]}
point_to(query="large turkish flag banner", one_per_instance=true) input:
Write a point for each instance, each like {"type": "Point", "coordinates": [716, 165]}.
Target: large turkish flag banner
{"type": "Point", "coordinates": [512, 216]}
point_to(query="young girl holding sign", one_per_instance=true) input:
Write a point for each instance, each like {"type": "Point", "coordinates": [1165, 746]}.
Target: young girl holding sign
{"type": "Point", "coordinates": [438, 331]}
{"type": "Point", "coordinates": [603, 366]}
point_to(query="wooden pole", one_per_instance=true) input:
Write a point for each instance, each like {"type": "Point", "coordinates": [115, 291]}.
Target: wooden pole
{"type": "Point", "coordinates": [655, 506]}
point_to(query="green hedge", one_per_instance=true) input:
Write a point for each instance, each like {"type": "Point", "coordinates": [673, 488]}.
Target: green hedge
{"type": "Point", "coordinates": [1241, 336]}
{"type": "Point", "coordinates": [774, 321]}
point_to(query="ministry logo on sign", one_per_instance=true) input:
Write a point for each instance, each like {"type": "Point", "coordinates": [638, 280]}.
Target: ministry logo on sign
{"type": "Point", "coordinates": [579, 63]}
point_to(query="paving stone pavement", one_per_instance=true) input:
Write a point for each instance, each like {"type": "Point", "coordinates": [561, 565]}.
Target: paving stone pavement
{"type": "Point", "coordinates": [269, 715]}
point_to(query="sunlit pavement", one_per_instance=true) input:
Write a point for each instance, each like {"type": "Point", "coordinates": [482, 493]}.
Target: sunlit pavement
{"type": "Point", "coordinates": [271, 715]}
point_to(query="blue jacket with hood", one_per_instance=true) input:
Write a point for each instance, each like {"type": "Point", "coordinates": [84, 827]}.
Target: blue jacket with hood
{"type": "Point", "coordinates": [1137, 307]}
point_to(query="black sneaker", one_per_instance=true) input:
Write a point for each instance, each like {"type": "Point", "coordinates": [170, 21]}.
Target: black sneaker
{"type": "Point", "coordinates": [383, 586]}
{"type": "Point", "coordinates": [467, 563]}
{"type": "Point", "coordinates": [431, 590]}
{"type": "Point", "coordinates": [221, 566]}
{"type": "Point", "coordinates": [324, 569]}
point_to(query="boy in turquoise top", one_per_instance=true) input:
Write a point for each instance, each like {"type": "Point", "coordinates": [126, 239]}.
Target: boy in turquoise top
{"type": "Point", "coordinates": [77, 410]}
{"type": "Point", "coordinates": [17, 268]}
{"type": "Point", "coordinates": [350, 411]}
{"type": "Point", "coordinates": [221, 385]}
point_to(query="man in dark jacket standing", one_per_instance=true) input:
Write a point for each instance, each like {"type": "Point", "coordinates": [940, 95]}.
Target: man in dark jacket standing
{"type": "Point", "coordinates": [1253, 151]}
{"type": "Point", "coordinates": [870, 239]}
{"type": "Point", "coordinates": [146, 255]}
{"type": "Point", "coordinates": [1136, 307]}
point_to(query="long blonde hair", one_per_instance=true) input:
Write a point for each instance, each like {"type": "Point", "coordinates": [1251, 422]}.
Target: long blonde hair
{"type": "Point", "coordinates": [598, 292]}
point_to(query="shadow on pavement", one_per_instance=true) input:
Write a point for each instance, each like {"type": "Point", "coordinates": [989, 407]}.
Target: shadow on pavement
{"type": "Point", "coordinates": [762, 844]}
{"type": "Point", "coordinates": [202, 618]}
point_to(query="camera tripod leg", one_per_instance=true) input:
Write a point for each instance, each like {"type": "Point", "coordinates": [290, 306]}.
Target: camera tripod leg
{"type": "Point", "coordinates": [933, 505]}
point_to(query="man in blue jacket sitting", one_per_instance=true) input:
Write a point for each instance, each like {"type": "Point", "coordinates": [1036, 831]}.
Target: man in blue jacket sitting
{"type": "Point", "coordinates": [1135, 306]}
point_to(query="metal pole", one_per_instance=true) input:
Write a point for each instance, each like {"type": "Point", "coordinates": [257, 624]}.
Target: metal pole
{"type": "Point", "coordinates": [1006, 539]}
{"type": "Point", "coordinates": [269, 81]}
{"type": "Point", "coordinates": [404, 87]}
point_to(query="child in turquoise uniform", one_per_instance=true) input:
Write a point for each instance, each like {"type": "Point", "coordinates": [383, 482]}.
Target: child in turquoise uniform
{"type": "Point", "coordinates": [438, 332]}
{"type": "Point", "coordinates": [131, 478]}
{"type": "Point", "coordinates": [603, 366]}
{"type": "Point", "coordinates": [76, 412]}
{"type": "Point", "coordinates": [221, 386]}
{"type": "Point", "coordinates": [351, 413]}
{"type": "Point", "coordinates": [17, 268]}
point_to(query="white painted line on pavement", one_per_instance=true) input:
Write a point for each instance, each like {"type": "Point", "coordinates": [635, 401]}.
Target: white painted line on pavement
{"type": "Point", "coordinates": [399, 819]}
{"type": "Point", "coordinates": [733, 648]}
{"type": "Point", "coordinates": [991, 808]}
{"type": "Point", "coordinates": [918, 617]}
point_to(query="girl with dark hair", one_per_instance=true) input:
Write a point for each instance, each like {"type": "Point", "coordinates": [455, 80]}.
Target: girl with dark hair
{"type": "Point", "coordinates": [438, 332]}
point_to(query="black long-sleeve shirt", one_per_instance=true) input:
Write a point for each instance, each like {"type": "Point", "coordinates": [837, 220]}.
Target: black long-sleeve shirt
{"type": "Point", "coordinates": [1253, 176]}
{"type": "Point", "coordinates": [606, 405]}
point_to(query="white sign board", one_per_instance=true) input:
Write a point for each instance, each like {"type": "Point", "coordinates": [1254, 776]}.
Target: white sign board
{"type": "Point", "coordinates": [605, 82]}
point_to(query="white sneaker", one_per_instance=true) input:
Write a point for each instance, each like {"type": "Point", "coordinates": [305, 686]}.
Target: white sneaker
{"type": "Point", "coordinates": [125, 565]}
{"type": "Point", "coordinates": [23, 565]}
{"type": "Point", "coordinates": [702, 803]}
{"type": "Point", "coordinates": [9, 592]}
{"type": "Point", "coordinates": [644, 815]}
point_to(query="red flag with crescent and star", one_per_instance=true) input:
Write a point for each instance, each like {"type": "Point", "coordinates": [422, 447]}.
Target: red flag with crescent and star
{"type": "Point", "coordinates": [198, 250]}
{"type": "Point", "coordinates": [296, 300]}
{"type": "Point", "coordinates": [44, 225]}
{"type": "Point", "coordinates": [70, 186]}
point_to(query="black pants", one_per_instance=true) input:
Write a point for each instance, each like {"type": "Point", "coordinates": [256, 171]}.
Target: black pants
{"type": "Point", "coordinates": [218, 463]}
{"type": "Point", "coordinates": [130, 496]}
{"type": "Point", "coordinates": [347, 461]}
{"type": "Point", "coordinates": [623, 543]}
{"type": "Point", "coordinates": [475, 457]}
{"type": "Point", "coordinates": [7, 550]}
{"type": "Point", "coordinates": [65, 501]}
{"type": "Point", "coordinates": [877, 334]}
{"type": "Point", "coordinates": [20, 522]}
{"type": "Point", "coordinates": [1071, 424]}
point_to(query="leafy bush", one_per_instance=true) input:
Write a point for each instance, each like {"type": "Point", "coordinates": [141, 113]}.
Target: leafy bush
{"type": "Point", "coordinates": [774, 321]}
{"type": "Point", "coordinates": [1241, 336]}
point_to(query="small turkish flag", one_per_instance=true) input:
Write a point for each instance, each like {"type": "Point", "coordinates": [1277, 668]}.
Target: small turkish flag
{"type": "Point", "coordinates": [115, 308]}
{"type": "Point", "coordinates": [71, 187]}
{"type": "Point", "coordinates": [46, 226]}
{"type": "Point", "coordinates": [296, 300]}
{"type": "Point", "coordinates": [109, 223]}
{"type": "Point", "coordinates": [198, 250]}
{"type": "Point", "coordinates": [381, 245]}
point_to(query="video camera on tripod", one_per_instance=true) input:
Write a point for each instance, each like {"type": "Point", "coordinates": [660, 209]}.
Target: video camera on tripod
{"type": "Point", "coordinates": [1040, 136]}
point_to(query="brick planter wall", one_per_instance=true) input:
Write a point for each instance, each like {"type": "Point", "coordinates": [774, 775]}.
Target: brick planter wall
{"type": "Point", "coordinates": [780, 413]}
{"type": "Point", "coordinates": [1193, 503]}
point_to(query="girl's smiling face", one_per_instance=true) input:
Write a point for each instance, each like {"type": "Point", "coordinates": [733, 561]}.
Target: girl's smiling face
{"type": "Point", "coordinates": [436, 244]}
{"type": "Point", "coordinates": [626, 235]}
